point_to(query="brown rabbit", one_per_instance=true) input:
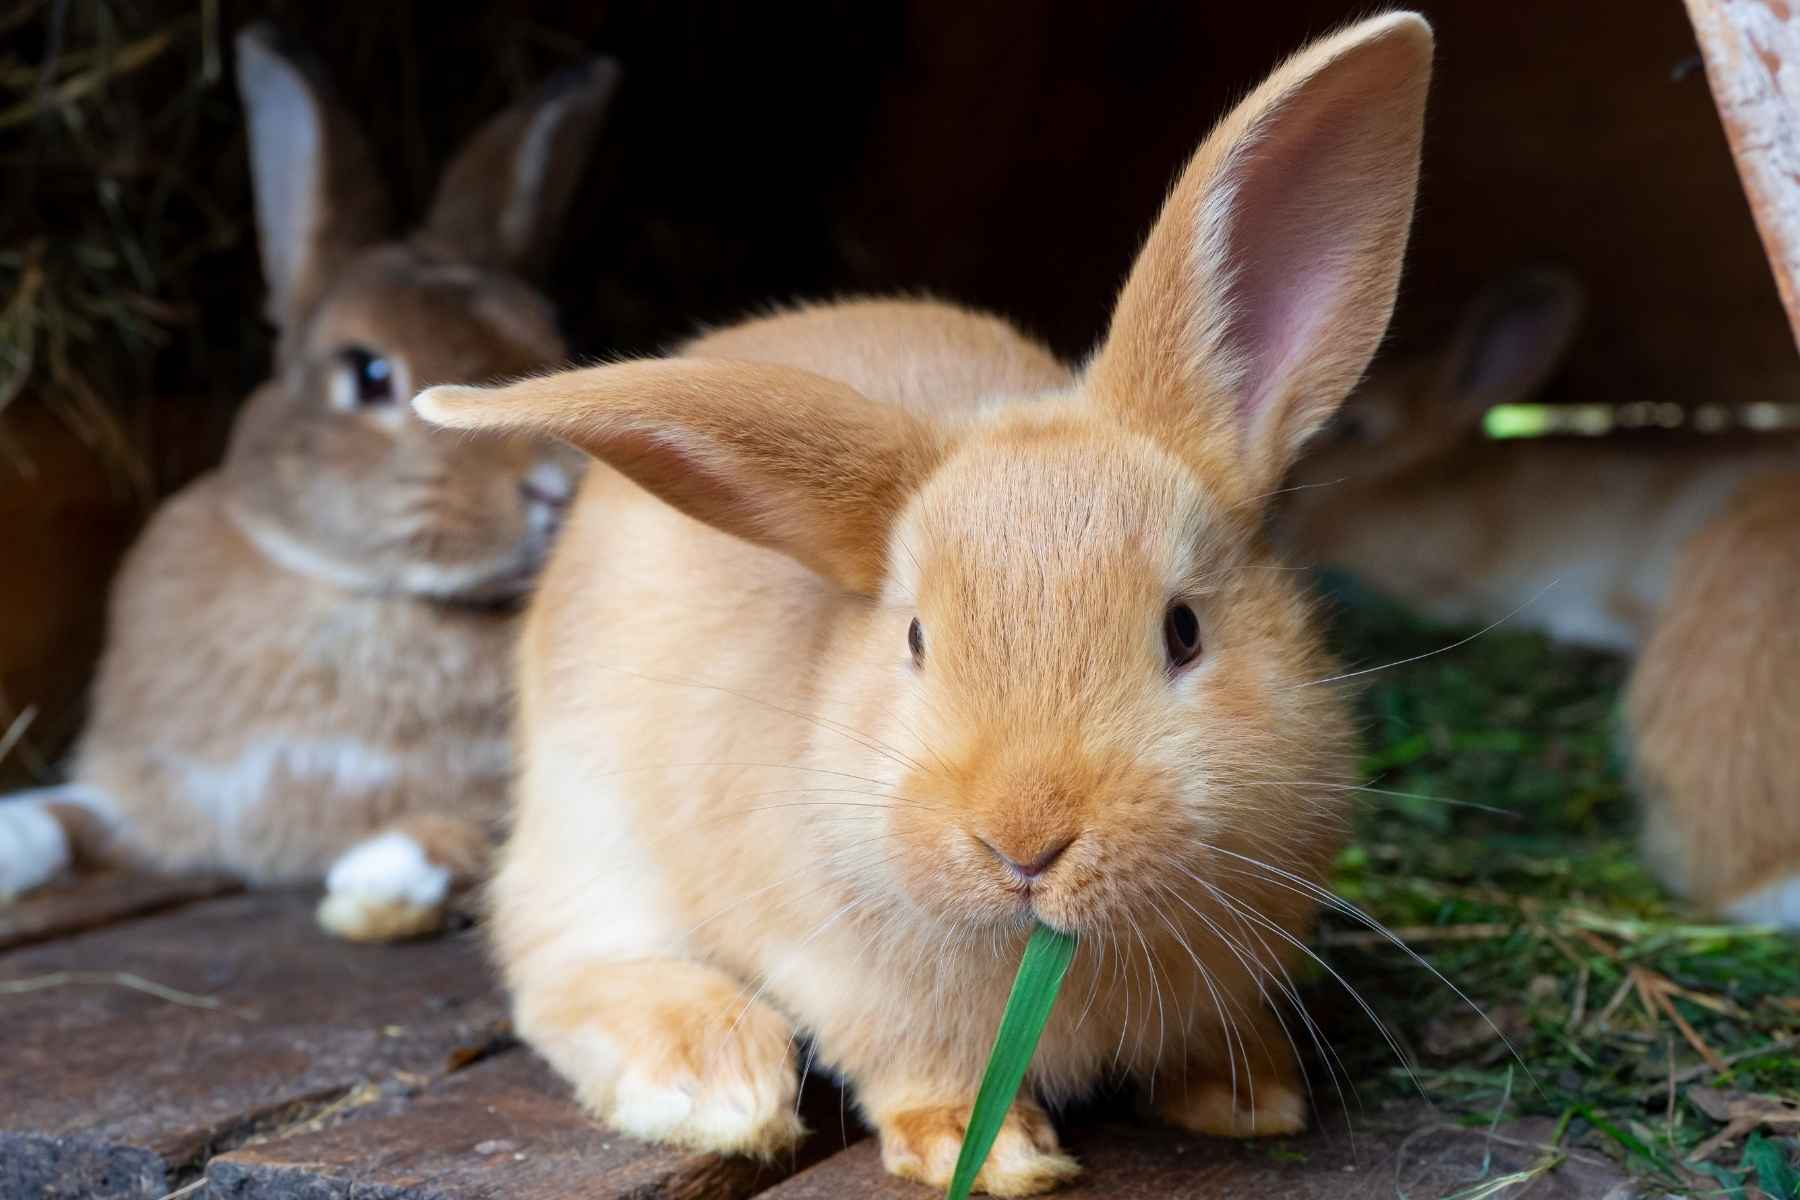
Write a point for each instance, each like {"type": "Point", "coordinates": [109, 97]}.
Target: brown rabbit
{"type": "Point", "coordinates": [891, 635]}
{"type": "Point", "coordinates": [1682, 549]}
{"type": "Point", "coordinates": [307, 668]}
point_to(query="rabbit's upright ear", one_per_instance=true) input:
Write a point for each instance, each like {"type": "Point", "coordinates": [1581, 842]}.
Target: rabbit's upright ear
{"type": "Point", "coordinates": [504, 196]}
{"type": "Point", "coordinates": [318, 196]}
{"type": "Point", "coordinates": [1268, 280]}
{"type": "Point", "coordinates": [775, 455]}
{"type": "Point", "coordinates": [1515, 336]}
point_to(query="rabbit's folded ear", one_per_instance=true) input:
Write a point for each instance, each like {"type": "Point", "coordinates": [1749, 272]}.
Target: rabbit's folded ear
{"type": "Point", "coordinates": [505, 194]}
{"type": "Point", "coordinates": [1513, 338]}
{"type": "Point", "coordinates": [1268, 280]}
{"type": "Point", "coordinates": [318, 196]}
{"type": "Point", "coordinates": [772, 454]}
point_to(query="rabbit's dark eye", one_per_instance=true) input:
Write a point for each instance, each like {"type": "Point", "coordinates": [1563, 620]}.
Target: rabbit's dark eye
{"type": "Point", "coordinates": [362, 379]}
{"type": "Point", "coordinates": [915, 641]}
{"type": "Point", "coordinates": [1181, 635]}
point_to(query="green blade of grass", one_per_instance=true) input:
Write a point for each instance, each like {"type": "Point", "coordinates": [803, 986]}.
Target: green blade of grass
{"type": "Point", "coordinates": [1041, 971]}
{"type": "Point", "coordinates": [1774, 1174]}
{"type": "Point", "coordinates": [1629, 1141]}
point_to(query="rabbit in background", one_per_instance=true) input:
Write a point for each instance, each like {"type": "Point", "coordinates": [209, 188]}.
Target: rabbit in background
{"type": "Point", "coordinates": [1681, 550]}
{"type": "Point", "coordinates": [308, 652]}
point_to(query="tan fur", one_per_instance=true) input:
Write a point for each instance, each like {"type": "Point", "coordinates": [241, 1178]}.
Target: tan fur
{"type": "Point", "coordinates": [1714, 703]}
{"type": "Point", "coordinates": [1026, 1158]}
{"type": "Point", "coordinates": [1680, 549]}
{"type": "Point", "coordinates": [310, 646]}
{"type": "Point", "coordinates": [738, 781]}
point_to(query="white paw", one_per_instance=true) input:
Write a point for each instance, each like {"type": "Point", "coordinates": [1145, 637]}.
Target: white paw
{"type": "Point", "coordinates": [33, 847]}
{"type": "Point", "coordinates": [383, 890]}
{"type": "Point", "coordinates": [732, 1115]}
{"type": "Point", "coordinates": [1777, 903]}
{"type": "Point", "coordinates": [694, 1073]}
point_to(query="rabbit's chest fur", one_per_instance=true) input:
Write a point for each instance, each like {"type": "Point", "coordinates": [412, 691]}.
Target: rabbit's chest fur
{"type": "Point", "coordinates": [242, 691]}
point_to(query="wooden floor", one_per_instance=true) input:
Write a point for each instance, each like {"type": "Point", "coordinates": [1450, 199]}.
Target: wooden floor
{"type": "Point", "coordinates": [180, 1038]}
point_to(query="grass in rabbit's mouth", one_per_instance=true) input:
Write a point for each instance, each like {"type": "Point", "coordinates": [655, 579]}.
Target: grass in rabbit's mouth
{"type": "Point", "coordinates": [1041, 970]}
{"type": "Point", "coordinates": [1650, 1031]}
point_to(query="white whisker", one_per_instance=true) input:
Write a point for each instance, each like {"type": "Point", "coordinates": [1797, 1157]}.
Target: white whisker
{"type": "Point", "coordinates": [1441, 649]}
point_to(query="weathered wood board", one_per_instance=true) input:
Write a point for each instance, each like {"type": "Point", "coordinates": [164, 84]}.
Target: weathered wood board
{"type": "Point", "coordinates": [504, 1128]}
{"type": "Point", "coordinates": [1752, 53]}
{"type": "Point", "coordinates": [79, 904]}
{"type": "Point", "coordinates": [1144, 1162]}
{"type": "Point", "coordinates": [226, 1048]}
{"type": "Point", "coordinates": [113, 1085]}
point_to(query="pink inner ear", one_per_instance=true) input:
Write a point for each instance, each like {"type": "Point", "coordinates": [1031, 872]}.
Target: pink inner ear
{"type": "Point", "coordinates": [1292, 236]}
{"type": "Point", "coordinates": [1516, 347]}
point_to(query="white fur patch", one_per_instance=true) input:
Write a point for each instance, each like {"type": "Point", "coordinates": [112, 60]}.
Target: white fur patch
{"type": "Point", "coordinates": [383, 890]}
{"type": "Point", "coordinates": [648, 1110]}
{"type": "Point", "coordinates": [33, 847]}
{"type": "Point", "coordinates": [1776, 904]}
{"type": "Point", "coordinates": [230, 790]}
{"type": "Point", "coordinates": [390, 869]}
{"type": "Point", "coordinates": [726, 1112]}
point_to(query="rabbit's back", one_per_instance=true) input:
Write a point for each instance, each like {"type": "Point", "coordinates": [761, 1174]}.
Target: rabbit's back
{"type": "Point", "coordinates": [921, 355]}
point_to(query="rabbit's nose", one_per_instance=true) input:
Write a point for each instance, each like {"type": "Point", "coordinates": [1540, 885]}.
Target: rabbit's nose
{"type": "Point", "coordinates": [549, 485]}
{"type": "Point", "coordinates": [1029, 868]}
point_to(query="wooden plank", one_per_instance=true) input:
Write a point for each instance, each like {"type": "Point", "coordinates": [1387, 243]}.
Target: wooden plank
{"type": "Point", "coordinates": [135, 1052]}
{"type": "Point", "coordinates": [90, 901]}
{"type": "Point", "coordinates": [505, 1128]}
{"type": "Point", "coordinates": [1141, 1162]}
{"type": "Point", "coordinates": [1752, 53]}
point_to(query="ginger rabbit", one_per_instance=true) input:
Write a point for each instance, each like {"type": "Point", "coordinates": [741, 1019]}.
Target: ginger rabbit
{"type": "Point", "coordinates": [886, 635]}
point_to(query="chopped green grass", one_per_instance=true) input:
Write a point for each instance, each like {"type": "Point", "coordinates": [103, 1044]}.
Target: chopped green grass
{"type": "Point", "coordinates": [1617, 998]}
{"type": "Point", "coordinates": [1041, 970]}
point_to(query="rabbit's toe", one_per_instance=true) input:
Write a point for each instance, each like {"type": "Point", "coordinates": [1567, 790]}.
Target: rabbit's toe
{"type": "Point", "coordinates": [719, 1090]}
{"type": "Point", "coordinates": [1225, 1110]}
{"type": "Point", "coordinates": [923, 1143]}
{"type": "Point", "coordinates": [33, 847]}
{"type": "Point", "coordinates": [383, 890]}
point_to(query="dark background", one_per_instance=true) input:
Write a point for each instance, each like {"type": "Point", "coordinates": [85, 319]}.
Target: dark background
{"type": "Point", "coordinates": [1006, 154]}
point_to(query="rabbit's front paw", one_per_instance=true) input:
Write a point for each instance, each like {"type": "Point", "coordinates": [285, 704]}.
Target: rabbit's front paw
{"type": "Point", "coordinates": [1217, 1107]}
{"type": "Point", "coordinates": [383, 890]}
{"type": "Point", "coordinates": [33, 847]}
{"type": "Point", "coordinates": [923, 1143]}
{"type": "Point", "coordinates": [1259, 1094]}
{"type": "Point", "coordinates": [708, 1086]}
{"type": "Point", "coordinates": [670, 1051]}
